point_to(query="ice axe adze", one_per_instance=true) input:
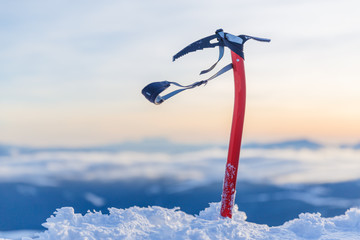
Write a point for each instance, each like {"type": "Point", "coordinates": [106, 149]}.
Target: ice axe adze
{"type": "Point", "coordinates": [235, 43]}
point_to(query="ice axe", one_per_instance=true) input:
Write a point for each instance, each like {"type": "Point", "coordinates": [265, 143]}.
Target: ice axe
{"type": "Point", "coordinates": [235, 44]}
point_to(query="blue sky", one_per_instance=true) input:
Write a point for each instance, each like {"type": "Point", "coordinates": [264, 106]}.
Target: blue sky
{"type": "Point", "coordinates": [71, 72]}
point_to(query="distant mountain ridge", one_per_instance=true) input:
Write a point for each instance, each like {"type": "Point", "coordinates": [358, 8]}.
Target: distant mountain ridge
{"type": "Point", "coordinates": [353, 146]}
{"type": "Point", "coordinates": [290, 144]}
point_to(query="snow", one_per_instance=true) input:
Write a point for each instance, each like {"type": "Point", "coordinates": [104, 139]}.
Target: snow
{"type": "Point", "coordinates": [161, 223]}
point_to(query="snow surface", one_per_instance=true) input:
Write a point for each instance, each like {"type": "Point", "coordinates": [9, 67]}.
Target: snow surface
{"type": "Point", "coordinates": [161, 223]}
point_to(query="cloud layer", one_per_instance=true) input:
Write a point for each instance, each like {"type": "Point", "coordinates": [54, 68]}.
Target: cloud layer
{"type": "Point", "coordinates": [190, 167]}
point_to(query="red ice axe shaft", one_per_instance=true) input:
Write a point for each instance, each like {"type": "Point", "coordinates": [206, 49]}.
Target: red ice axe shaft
{"type": "Point", "coordinates": [231, 170]}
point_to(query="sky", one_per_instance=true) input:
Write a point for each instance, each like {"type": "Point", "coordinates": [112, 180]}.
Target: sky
{"type": "Point", "coordinates": [71, 73]}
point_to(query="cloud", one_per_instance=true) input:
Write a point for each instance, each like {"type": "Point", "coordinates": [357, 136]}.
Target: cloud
{"type": "Point", "coordinates": [190, 168]}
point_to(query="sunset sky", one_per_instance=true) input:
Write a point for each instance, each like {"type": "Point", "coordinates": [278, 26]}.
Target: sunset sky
{"type": "Point", "coordinates": [71, 73]}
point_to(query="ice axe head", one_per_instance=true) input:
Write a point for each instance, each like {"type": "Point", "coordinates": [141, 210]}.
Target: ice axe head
{"type": "Point", "coordinates": [220, 39]}
{"type": "Point", "coordinates": [234, 43]}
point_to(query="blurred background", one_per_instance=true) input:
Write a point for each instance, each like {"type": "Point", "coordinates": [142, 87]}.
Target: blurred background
{"type": "Point", "coordinates": [76, 131]}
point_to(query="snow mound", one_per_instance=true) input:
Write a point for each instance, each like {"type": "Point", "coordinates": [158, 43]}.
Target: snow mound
{"type": "Point", "coordinates": [161, 223]}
